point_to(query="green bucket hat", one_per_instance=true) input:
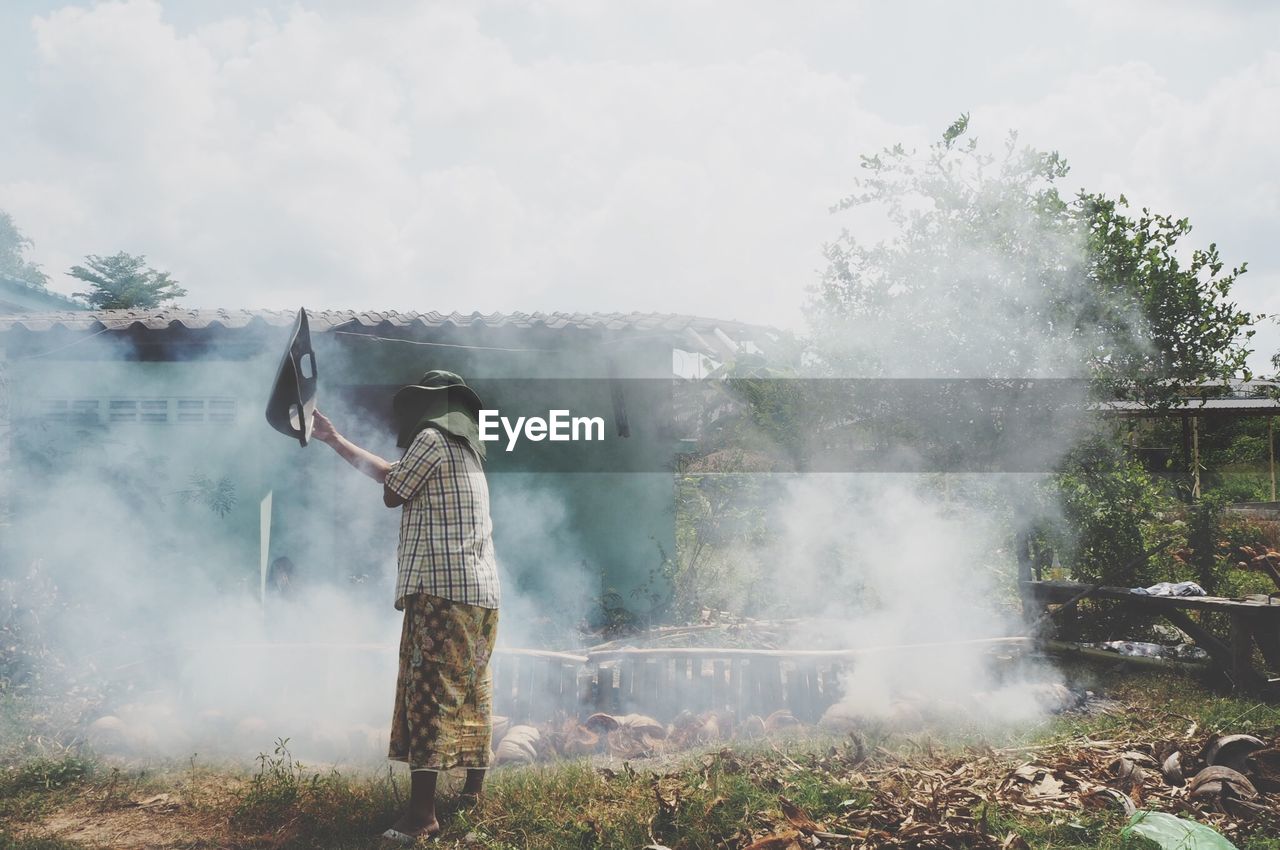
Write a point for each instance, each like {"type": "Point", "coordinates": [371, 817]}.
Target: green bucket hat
{"type": "Point", "coordinates": [440, 400]}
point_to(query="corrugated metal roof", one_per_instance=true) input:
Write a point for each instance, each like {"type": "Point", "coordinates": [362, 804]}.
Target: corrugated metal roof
{"type": "Point", "coordinates": [330, 320]}
{"type": "Point", "coordinates": [1190, 407]}
{"type": "Point", "coordinates": [47, 297]}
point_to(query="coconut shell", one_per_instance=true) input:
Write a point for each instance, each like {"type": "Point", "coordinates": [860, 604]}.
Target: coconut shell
{"type": "Point", "coordinates": [501, 725]}
{"type": "Point", "coordinates": [711, 727]}
{"type": "Point", "coordinates": [752, 727]}
{"type": "Point", "coordinates": [840, 717]}
{"type": "Point", "coordinates": [601, 722]}
{"type": "Point", "coordinates": [580, 741]}
{"type": "Point", "coordinates": [904, 716]}
{"type": "Point", "coordinates": [519, 746]}
{"type": "Point", "coordinates": [1104, 797]}
{"type": "Point", "coordinates": [1126, 771]}
{"type": "Point", "coordinates": [1264, 767]}
{"type": "Point", "coordinates": [108, 733]}
{"type": "Point", "coordinates": [643, 725]}
{"type": "Point", "coordinates": [1171, 770]}
{"type": "Point", "coordinates": [1220, 781]}
{"type": "Point", "coordinates": [780, 719]}
{"type": "Point", "coordinates": [1231, 750]}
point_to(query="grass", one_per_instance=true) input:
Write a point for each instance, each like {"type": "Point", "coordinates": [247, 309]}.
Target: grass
{"type": "Point", "coordinates": [712, 799]}
{"type": "Point", "coordinates": [286, 798]}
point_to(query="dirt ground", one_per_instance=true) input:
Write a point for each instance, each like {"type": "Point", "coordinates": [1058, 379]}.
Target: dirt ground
{"type": "Point", "coordinates": [1066, 782]}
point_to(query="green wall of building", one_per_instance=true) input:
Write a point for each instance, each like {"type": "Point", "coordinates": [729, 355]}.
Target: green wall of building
{"type": "Point", "coordinates": [564, 536]}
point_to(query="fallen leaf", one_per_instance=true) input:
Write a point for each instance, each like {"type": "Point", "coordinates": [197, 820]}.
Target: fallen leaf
{"type": "Point", "coordinates": [797, 816]}
{"type": "Point", "coordinates": [777, 841]}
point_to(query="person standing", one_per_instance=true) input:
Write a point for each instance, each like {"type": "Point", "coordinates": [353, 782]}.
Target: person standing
{"type": "Point", "coordinates": [446, 585]}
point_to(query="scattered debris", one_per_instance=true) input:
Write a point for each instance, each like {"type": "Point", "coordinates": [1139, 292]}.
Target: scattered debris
{"type": "Point", "coordinates": [934, 799]}
{"type": "Point", "coordinates": [1140, 649]}
{"type": "Point", "coordinates": [1170, 588]}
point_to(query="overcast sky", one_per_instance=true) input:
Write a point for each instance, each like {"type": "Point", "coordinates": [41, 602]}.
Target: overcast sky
{"type": "Point", "coordinates": [573, 155]}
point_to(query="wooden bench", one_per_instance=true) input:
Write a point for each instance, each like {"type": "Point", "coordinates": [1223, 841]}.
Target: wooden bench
{"type": "Point", "coordinates": [1253, 619]}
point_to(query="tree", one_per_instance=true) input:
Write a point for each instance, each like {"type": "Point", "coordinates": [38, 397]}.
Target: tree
{"type": "Point", "coordinates": [990, 272]}
{"type": "Point", "coordinates": [13, 245]}
{"type": "Point", "coordinates": [1190, 329]}
{"type": "Point", "coordinates": [124, 281]}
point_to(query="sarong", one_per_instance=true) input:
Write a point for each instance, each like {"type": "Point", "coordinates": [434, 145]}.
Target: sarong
{"type": "Point", "coordinates": [444, 690]}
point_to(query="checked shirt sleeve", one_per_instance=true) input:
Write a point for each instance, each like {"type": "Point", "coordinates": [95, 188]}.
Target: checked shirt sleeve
{"type": "Point", "coordinates": [406, 476]}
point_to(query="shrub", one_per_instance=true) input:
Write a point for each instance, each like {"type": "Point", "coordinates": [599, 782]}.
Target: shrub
{"type": "Point", "coordinates": [1107, 499]}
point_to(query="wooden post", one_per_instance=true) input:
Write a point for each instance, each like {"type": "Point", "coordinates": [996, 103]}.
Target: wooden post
{"type": "Point", "coordinates": [1266, 634]}
{"type": "Point", "coordinates": [702, 683]}
{"type": "Point", "coordinates": [567, 684]}
{"type": "Point", "coordinates": [798, 692]}
{"type": "Point", "coordinates": [1187, 460]}
{"type": "Point", "coordinates": [1271, 454]}
{"type": "Point", "coordinates": [1022, 549]}
{"type": "Point", "coordinates": [719, 685]}
{"type": "Point", "coordinates": [525, 685]}
{"type": "Point", "coordinates": [739, 688]}
{"type": "Point", "coordinates": [1195, 458]}
{"type": "Point", "coordinates": [651, 685]}
{"type": "Point", "coordinates": [591, 689]}
{"type": "Point", "coordinates": [519, 697]}
{"type": "Point", "coordinates": [1243, 676]}
{"type": "Point", "coordinates": [774, 696]}
{"type": "Point", "coordinates": [626, 673]}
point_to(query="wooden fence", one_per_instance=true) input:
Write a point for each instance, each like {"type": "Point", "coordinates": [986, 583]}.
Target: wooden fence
{"type": "Point", "coordinates": [536, 685]}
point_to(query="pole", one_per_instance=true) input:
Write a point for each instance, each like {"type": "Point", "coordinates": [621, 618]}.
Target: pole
{"type": "Point", "coordinates": [1195, 458]}
{"type": "Point", "coordinates": [1271, 453]}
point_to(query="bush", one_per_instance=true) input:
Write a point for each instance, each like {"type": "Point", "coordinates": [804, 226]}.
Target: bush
{"type": "Point", "coordinates": [1204, 531]}
{"type": "Point", "coordinates": [1107, 500]}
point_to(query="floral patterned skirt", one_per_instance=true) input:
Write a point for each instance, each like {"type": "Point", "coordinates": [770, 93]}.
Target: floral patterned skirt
{"type": "Point", "coordinates": [444, 691]}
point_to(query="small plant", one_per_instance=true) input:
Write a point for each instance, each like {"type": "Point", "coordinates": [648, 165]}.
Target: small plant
{"type": "Point", "coordinates": [280, 784]}
{"type": "Point", "coordinates": [44, 774]}
{"type": "Point", "coordinates": [218, 496]}
{"type": "Point", "coordinates": [305, 808]}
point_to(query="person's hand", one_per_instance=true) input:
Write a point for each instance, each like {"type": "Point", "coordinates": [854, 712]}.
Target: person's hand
{"type": "Point", "coordinates": [322, 429]}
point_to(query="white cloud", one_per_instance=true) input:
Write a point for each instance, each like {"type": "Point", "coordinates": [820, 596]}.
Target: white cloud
{"type": "Point", "coordinates": [566, 155]}
{"type": "Point", "coordinates": [1207, 155]}
{"type": "Point", "coordinates": [409, 159]}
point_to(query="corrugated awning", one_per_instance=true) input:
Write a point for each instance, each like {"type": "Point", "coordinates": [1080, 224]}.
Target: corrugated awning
{"type": "Point", "coordinates": [714, 336]}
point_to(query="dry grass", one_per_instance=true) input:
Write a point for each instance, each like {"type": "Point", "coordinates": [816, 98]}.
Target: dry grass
{"type": "Point", "coordinates": [926, 789]}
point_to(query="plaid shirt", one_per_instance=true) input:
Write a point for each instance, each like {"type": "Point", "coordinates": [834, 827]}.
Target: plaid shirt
{"type": "Point", "coordinates": [446, 535]}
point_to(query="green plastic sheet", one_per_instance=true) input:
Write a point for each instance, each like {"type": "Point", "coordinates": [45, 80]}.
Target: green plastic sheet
{"type": "Point", "coordinates": [1174, 833]}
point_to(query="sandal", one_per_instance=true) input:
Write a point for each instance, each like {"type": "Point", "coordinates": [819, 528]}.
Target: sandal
{"type": "Point", "coordinates": [408, 839]}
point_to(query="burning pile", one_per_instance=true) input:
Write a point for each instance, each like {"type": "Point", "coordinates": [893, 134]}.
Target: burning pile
{"type": "Point", "coordinates": [628, 736]}
{"type": "Point", "coordinates": [633, 736]}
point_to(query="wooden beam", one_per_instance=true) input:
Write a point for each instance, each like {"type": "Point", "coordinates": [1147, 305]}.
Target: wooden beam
{"type": "Point", "coordinates": [1062, 591]}
{"type": "Point", "coordinates": [798, 654]}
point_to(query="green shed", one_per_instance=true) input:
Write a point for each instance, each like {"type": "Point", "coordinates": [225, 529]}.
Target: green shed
{"type": "Point", "coordinates": [151, 423]}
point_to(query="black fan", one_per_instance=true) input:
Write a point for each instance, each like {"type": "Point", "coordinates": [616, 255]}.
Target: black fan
{"type": "Point", "coordinates": [293, 397]}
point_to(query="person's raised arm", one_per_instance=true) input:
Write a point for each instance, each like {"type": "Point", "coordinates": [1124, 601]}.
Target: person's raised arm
{"type": "Point", "coordinates": [362, 459]}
